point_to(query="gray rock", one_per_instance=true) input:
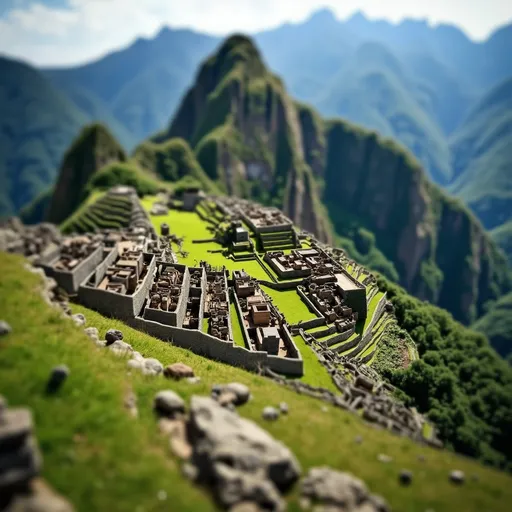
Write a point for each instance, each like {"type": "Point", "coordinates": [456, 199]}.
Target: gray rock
{"type": "Point", "coordinates": [405, 477]}
{"type": "Point", "coordinates": [193, 380]}
{"type": "Point", "coordinates": [93, 333]}
{"type": "Point", "coordinates": [120, 348]}
{"type": "Point", "coordinates": [178, 371]}
{"type": "Point", "coordinates": [457, 477]}
{"type": "Point", "coordinates": [113, 335]}
{"type": "Point", "coordinates": [270, 413]}
{"type": "Point", "coordinates": [3, 407]}
{"type": "Point", "coordinates": [40, 498]}
{"type": "Point", "coordinates": [152, 367]}
{"type": "Point", "coordinates": [79, 319]}
{"type": "Point", "coordinates": [5, 328]}
{"type": "Point", "coordinates": [57, 378]}
{"type": "Point", "coordinates": [341, 491]}
{"type": "Point", "coordinates": [283, 407]}
{"type": "Point", "coordinates": [364, 383]}
{"type": "Point", "coordinates": [240, 390]}
{"type": "Point", "coordinates": [168, 403]}
{"type": "Point", "coordinates": [16, 426]}
{"type": "Point", "coordinates": [237, 457]}
{"type": "Point", "coordinates": [135, 364]}
{"type": "Point", "coordinates": [137, 356]}
{"type": "Point", "coordinates": [358, 439]}
{"type": "Point", "coordinates": [382, 457]}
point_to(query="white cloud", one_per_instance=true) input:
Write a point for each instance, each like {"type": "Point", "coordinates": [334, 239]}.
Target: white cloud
{"type": "Point", "coordinates": [88, 28]}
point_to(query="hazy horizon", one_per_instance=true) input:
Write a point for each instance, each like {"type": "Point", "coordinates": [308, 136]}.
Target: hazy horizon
{"type": "Point", "coordinates": [73, 32]}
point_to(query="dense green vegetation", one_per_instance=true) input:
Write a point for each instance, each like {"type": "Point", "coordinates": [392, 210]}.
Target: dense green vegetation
{"type": "Point", "coordinates": [101, 458]}
{"type": "Point", "coordinates": [460, 381]}
{"type": "Point", "coordinates": [124, 173]}
{"type": "Point", "coordinates": [496, 324]}
{"type": "Point", "coordinates": [172, 161]}
{"type": "Point", "coordinates": [502, 235]}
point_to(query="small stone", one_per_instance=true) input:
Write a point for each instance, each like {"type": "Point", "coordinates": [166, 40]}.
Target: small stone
{"type": "Point", "coordinates": [138, 356]}
{"type": "Point", "coordinates": [382, 457]}
{"type": "Point", "coordinates": [457, 477]}
{"type": "Point", "coordinates": [113, 335]}
{"type": "Point", "coordinates": [193, 380]}
{"type": "Point", "coordinates": [100, 343]}
{"type": "Point", "coordinates": [216, 390]}
{"type": "Point", "coordinates": [5, 328]}
{"type": "Point", "coordinates": [178, 371]}
{"type": "Point", "coordinates": [120, 348]}
{"type": "Point", "coordinates": [57, 377]}
{"type": "Point", "coordinates": [190, 471]}
{"type": "Point", "coordinates": [135, 364]}
{"type": "Point", "coordinates": [405, 477]}
{"type": "Point", "coordinates": [270, 413]}
{"type": "Point", "coordinates": [168, 403]}
{"type": "Point", "coordinates": [358, 439]}
{"type": "Point", "coordinates": [226, 398]}
{"type": "Point", "coordinates": [161, 495]}
{"type": "Point", "coordinates": [92, 332]}
{"type": "Point", "coordinates": [245, 506]}
{"type": "Point", "coordinates": [283, 407]}
{"type": "Point", "coordinates": [240, 390]}
{"type": "Point", "coordinates": [79, 319]}
{"type": "Point", "coordinates": [152, 367]}
{"type": "Point", "coordinates": [325, 408]}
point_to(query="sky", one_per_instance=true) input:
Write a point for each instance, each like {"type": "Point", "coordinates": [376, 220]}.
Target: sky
{"type": "Point", "coordinates": [66, 32]}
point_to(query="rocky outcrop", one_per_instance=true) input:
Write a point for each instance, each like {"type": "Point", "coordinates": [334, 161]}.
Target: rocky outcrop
{"type": "Point", "coordinates": [94, 148]}
{"type": "Point", "coordinates": [247, 134]}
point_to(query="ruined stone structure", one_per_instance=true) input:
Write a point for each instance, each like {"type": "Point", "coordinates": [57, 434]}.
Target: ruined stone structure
{"type": "Point", "coordinates": [263, 326]}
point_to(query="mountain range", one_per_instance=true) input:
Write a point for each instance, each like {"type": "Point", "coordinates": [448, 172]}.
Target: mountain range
{"type": "Point", "coordinates": [441, 95]}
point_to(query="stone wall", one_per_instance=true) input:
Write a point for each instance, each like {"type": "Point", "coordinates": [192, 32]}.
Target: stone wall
{"type": "Point", "coordinates": [205, 345]}
{"type": "Point", "coordinates": [110, 304]}
{"type": "Point", "coordinates": [70, 280]}
{"type": "Point", "coordinates": [281, 286]}
{"type": "Point", "coordinates": [101, 269]}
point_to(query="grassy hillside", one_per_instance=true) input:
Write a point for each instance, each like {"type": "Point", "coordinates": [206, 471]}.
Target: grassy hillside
{"type": "Point", "coordinates": [100, 458]}
{"type": "Point", "coordinates": [497, 325]}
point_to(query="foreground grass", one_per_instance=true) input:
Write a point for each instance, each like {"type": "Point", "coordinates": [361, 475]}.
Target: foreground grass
{"type": "Point", "coordinates": [102, 459]}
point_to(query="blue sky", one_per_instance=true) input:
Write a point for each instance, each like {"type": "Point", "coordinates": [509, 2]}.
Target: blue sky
{"type": "Point", "coordinates": [63, 32]}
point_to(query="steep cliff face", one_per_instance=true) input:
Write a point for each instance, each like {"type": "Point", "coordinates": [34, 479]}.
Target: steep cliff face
{"type": "Point", "coordinates": [94, 148]}
{"type": "Point", "coordinates": [441, 253]}
{"type": "Point", "coordinates": [247, 135]}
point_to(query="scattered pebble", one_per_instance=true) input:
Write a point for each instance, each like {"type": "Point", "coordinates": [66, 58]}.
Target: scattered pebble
{"type": "Point", "coordinates": [113, 335]}
{"type": "Point", "coordinates": [358, 439]}
{"type": "Point", "coordinates": [457, 477]}
{"type": "Point", "coordinates": [405, 477]}
{"type": "Point", "coordinates": [120, 348]}
{"type": "Point", "coordinates": [152, 367]}
{"type": "Point", "coordinates": [270, 413]}
{"type": "Point", "coordinates": [57, 377]}
{"type": "Point", "coordinates": [283, 407]}
{"type": "Point", "coordinates": [168, 403]}
{"type": "Point", "coordinates": [178, 371]}
{"type": "Point", "coordinates": [382, 457]}
{"type": "Point", "coordinates": [5, 328]}
{"type": "Point", "coordinates": [93, 333]}
{"type": "Point", "coordinates": [79, 319]}
{"type": "Point", "coordinates": [240, 390]}
{"type": "Point", "coordinates": [194, 380]}
{"type": "Point", "coordinates": [161, 495]}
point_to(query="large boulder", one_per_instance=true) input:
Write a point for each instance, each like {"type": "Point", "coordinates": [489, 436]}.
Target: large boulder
{"type": "Point", "coordinates": [239, 459]}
